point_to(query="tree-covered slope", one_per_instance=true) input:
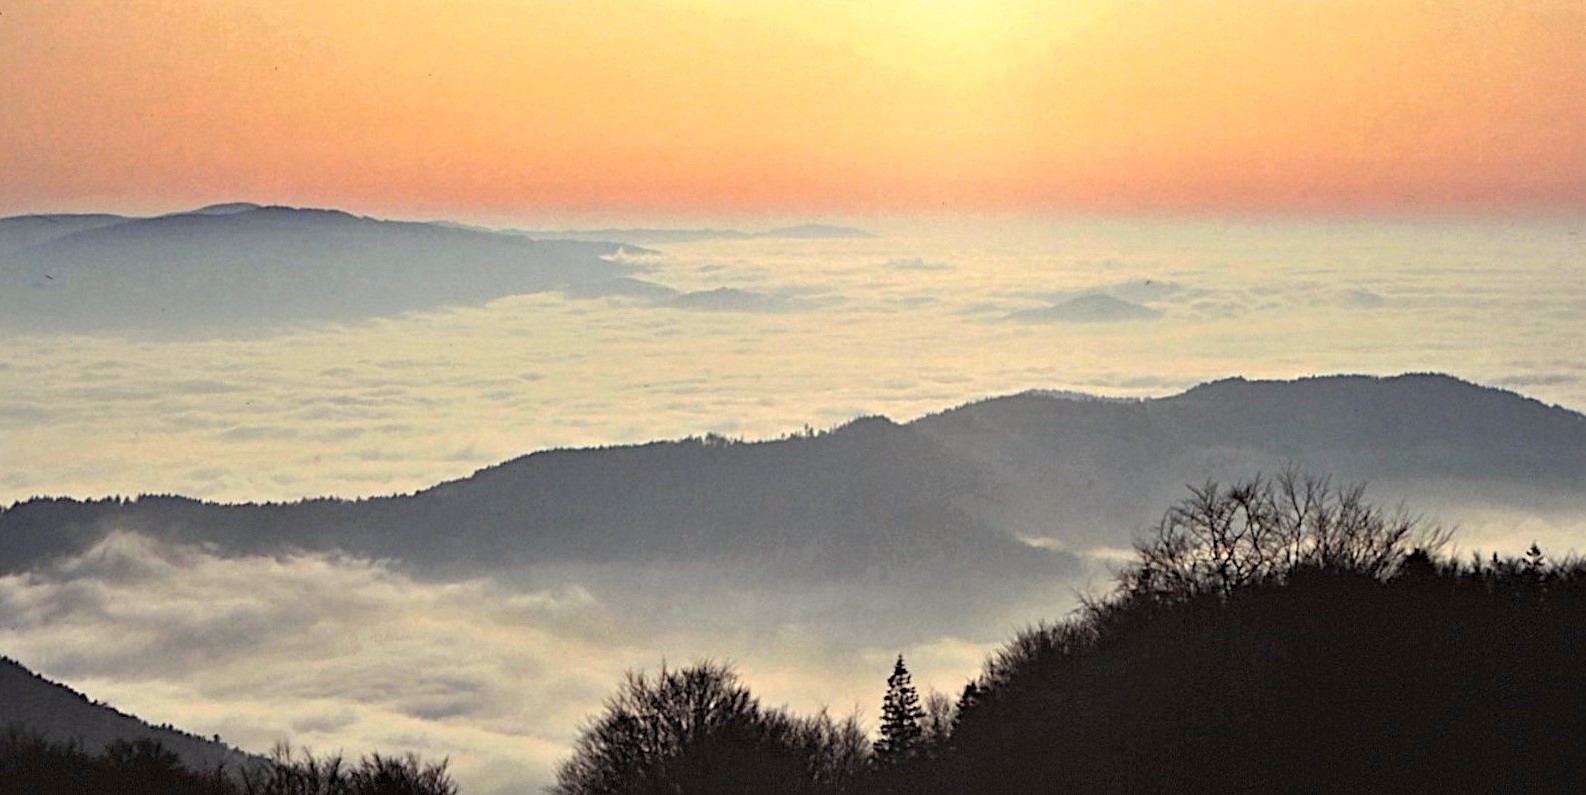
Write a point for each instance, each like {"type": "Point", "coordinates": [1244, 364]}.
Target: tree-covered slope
{"type": "Point", "coordinates": [55, 712]}
{"type": "Point", "coordinates": [960, 491]}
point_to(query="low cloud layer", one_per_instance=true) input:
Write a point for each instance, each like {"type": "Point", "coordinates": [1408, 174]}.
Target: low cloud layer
{"type": "Point", "coordinates": [715, 299]}
{"type": "Point", "coordinates": [803, 333]}
{"type": "Point", "coordinates": [498, 674]}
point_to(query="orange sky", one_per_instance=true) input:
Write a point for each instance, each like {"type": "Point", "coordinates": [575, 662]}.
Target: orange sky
{"type": "Point", "coordinates": [673, 106]}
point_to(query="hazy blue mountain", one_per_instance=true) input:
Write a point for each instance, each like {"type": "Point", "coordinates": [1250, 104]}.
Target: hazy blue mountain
{"type": "Point", "coordinates": [646, 237]}
{"type": "Point", "coordinates": [949, 494]}
{"type": "Point", "coordinates": [244, 266]}
{"type": "Point", "coordinates": [24, 231]}
{"type": "Point", "coordinates": [38, 706]}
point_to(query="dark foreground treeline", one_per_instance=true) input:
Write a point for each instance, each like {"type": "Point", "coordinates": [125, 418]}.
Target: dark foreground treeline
{"type": "Point", "coordinates": [1273, 636]}
{"type": "Point", "coordinates": [36, 766]}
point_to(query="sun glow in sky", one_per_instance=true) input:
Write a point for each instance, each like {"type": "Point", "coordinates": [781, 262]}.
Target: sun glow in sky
{"type": "Point", "coordinates": [964, 133]}
{"type": "Point", "coordinates": [676, 106]}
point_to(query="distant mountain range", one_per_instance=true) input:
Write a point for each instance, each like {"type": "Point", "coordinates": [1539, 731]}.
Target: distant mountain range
{"type": "Point", "coordinates": [58, 713]}
{"type": "Point", "coordinates": [243, 266]}
{"type": "Point", "coordinates": [997, 488]}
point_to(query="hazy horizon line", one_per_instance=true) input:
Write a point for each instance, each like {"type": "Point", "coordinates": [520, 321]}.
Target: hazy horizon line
{"type": "Point", "coordinates": [586, 219]}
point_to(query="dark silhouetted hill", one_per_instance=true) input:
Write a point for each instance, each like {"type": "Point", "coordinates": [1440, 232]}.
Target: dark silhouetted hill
{"type": "Point", "coordinates": [1273, 635]}
{"type": "Point", "coordinates": [57, 713]}
{"type": "Point", "coordinates": [866, 498]}
{"type": "Point", "coordinates": [958, 493]}
{"type": "Point", "coordinates": [1443, 678]}
{"type": "Point", "coordinates": [1087, 469]}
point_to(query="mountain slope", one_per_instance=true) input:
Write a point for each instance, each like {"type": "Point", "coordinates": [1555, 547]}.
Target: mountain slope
{"type": "Point", "coordinates": [954, 494]}
{"type": "Point", "coordinates": [1084, 469]}
{"type": "Point", "coordinates": [871, 495]}
{"type": "Point", "coordinates": [38, 706]}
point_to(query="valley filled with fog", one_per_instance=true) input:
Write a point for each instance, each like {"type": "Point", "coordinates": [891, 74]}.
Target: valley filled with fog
{"type": "Point", "coordinates": [485, 619]}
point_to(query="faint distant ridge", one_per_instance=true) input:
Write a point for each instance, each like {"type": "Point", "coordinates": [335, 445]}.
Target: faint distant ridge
{"type": "Point", "coordinates": [816, 231]}
{"type": "Point", "coordinates": [1091, 308]}
{"type": "Point", "coordinates": [24, 231]}
{"type": "Point", "coordinates": [58, 713]}
{"type": "Point", "coordinates": [663, 236]}
{"type": "Point", "coordinates": [242, 266]}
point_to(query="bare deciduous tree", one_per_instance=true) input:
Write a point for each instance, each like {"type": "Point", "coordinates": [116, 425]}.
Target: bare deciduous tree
{"type": "Point", "coordinates": [301, 773]}
{"type": "Point", "coordinates": [698, 731]}
{"type": "Point", "coordinates": [1222, 538]}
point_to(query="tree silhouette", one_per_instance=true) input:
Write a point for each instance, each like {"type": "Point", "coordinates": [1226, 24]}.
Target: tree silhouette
{"type": "Point", "coordinates": [1219, 540]}
{"type": "Point", "coordinates": [301, 773]}
{"type": "Point", "coordinates": [35, 765]}
{"type": "Point", "coordinates": [902, 717]}
{"type": "Point", "coordinates": [697, 731]}
{"type": "Point", "coordinates": [1287, 636]}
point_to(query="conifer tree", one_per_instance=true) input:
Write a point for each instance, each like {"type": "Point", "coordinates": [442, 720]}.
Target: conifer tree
{"type": "Point", "coordinates": [902, 732]}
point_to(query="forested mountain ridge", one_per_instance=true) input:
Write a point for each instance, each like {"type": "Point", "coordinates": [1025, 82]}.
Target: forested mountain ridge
{"type": "Point", "coordinates": [1084, 469]}
{"type": "Point", "coordinates": [955, 490]}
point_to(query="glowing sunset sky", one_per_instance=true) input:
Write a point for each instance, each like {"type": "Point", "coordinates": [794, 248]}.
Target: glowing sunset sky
{"type": "Point", "coordinates": [674, 106]}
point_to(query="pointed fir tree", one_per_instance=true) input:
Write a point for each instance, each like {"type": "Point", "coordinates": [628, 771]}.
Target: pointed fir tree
{"type": "Point", "coordinates": [902, 730]}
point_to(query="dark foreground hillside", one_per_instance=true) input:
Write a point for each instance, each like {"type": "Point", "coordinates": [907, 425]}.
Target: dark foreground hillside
{"type": "Point", "coordinates": [1272, 636]}
{"type": "Point", "coordinates": [1441, 679]}
{"type": "Point", "coordinates": [56, 713]}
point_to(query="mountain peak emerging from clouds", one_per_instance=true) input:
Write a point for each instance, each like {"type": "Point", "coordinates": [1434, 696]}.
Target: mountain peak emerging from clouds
{"type": "Point", "coordinates": [242, 266]}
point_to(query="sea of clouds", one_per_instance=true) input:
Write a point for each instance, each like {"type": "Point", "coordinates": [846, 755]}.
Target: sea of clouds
{"type": "Point", "coordinates": [752, 338]}
{"type": "Point", "coordinates": [761, 337]}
